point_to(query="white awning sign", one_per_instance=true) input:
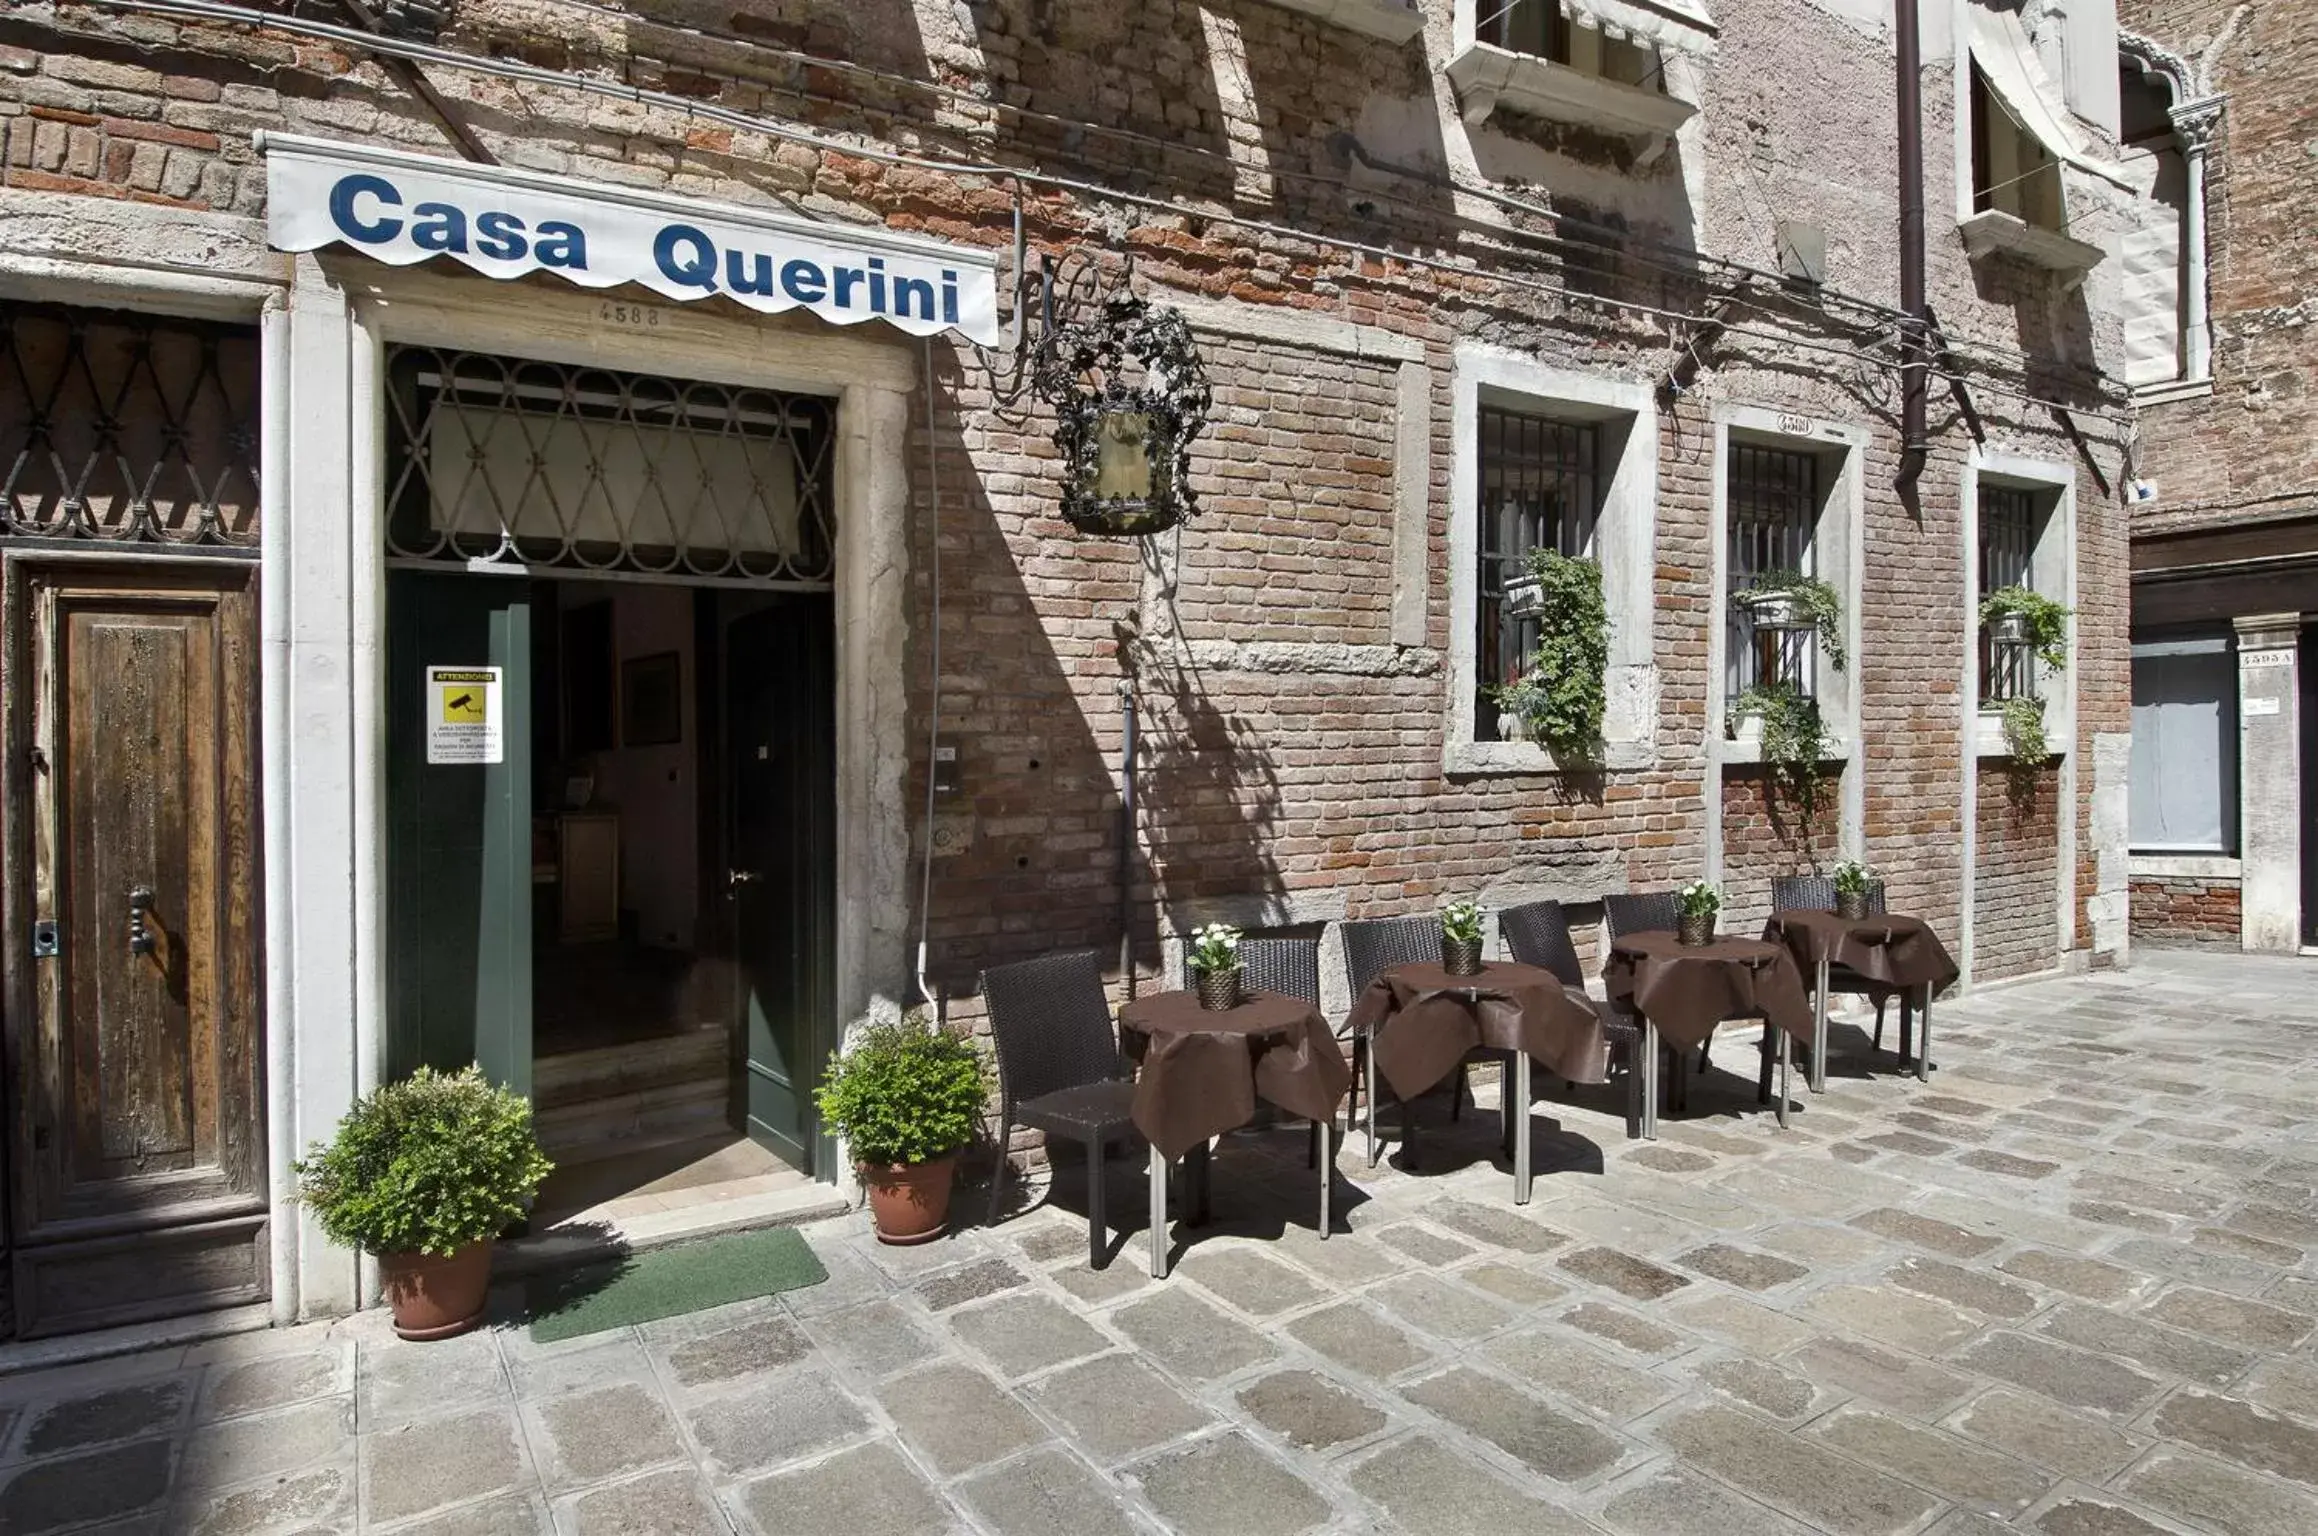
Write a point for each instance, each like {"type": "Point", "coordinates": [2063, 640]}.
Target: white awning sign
{"type": "Point", "coordinates": [402, 208]}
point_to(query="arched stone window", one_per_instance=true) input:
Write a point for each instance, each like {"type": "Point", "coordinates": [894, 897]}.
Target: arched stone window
{"type": "Point", "coordinates": [2166, 126]}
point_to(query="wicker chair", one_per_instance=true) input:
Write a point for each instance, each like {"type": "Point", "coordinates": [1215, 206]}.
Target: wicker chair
{"type": "Point", "coordinates": [1373, 946]}
{"type": "Point", "coordinates": [1290, 967]}
{"type": "Point", "coordinates": [1059, 1067]}
{"type": "Point", "coordinates": [1537, 933]}
{"type": "Point", "coordinates": [1798, 893]}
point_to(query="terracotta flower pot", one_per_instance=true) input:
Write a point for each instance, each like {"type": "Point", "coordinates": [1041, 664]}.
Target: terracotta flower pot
{"type": "Point", "coordinates": [435, 1297]}
{"type": "Point", "coordinates": [910, 1201]}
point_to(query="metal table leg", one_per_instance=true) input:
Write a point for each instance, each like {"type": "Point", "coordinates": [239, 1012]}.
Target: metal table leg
{"type": "Point", "coordinates": [1327, 1172]}
{"type": "Point", "coordinates": [1649, 1079]}
{"type": "Point", "coordinates": [1818, 1029]}
{"type": "Point", "coordinates": [1372, 1144]}
{"type": "Point", "coordinates": [1158, 1214]}
{"type": "Point", "coordinates": [1520, 1110]}
{"type": "Point", "coordinates": [1924, 1038]}
{"type": "Point", "coordinates": [1786, 1073]}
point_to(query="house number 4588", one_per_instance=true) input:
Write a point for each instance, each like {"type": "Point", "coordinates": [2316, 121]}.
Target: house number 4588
{"type": "Point", "coordinates": [631, 317]}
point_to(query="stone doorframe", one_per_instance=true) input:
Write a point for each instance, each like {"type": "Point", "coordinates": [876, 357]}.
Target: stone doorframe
{"type": "Point", "coordinates": [325, 679]}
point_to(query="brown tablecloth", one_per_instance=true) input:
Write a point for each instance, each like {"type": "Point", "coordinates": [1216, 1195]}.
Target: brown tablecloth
{"type": "Point", "coordinates": [1900, 952]}
{"type": "Point", "coordinates": [1423, 1021]}
{"type": "Point", "coordinates": [1688, 989]}
{"type": "Point", "coordinates": [1200, 1072]}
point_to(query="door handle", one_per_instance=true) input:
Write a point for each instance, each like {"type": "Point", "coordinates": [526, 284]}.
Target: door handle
{"type": "Point", "coordinates": [736, 878]}
{"type": "Point", "coordinates": [140, 936]}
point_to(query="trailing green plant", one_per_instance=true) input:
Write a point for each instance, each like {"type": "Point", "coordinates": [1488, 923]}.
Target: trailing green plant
{"type": "Point", "coordinates": [905, 1092]}
{"type": "Point", "coordinates": [1214, 948]}
{"type": "Point", "coordinates": [1698, 899]}
{"type": "Point", "coordinates": [2047, 621]}
{"type": "Point", "coordinates": [1563, 693]}
{"type": "Point", "coordinates": [429, 1164]}
{"type": "Point", "coordinates": [1461, 922]}
{"type": "Point", "coordinates": [1795, 738]}
{"type": "Point", "coordinates": [1852, 878]}
{"type": "Point", "coordinates": [1818, 600]}
{"type": "Point", "coordinates": [2024, 737]}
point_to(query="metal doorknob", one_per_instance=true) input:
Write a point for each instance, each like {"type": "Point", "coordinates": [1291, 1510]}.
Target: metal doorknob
{"type": "Point", "coordinates": [741, 877]}
{"type": "Point", "coordinates": [140, 937]}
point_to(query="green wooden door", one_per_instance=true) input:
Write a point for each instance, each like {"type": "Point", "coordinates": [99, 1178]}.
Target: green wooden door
{"type": "Point", "coordinates": [459, 834]}
{"type": "Point", "coordinates": [780, 745]}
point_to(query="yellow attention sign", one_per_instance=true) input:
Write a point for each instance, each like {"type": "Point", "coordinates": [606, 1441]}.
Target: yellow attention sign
{"type": "Point", "coordinates": [463, 726]}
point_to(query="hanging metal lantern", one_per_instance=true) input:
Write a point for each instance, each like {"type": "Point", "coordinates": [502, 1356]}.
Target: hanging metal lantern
{"type": "Point", "coordinates": [1129, 395]}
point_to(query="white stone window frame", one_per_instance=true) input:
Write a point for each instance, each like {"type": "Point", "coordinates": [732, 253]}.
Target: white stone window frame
{"type": "Point", "coordinates": [2052, 572]}
{"type": "Point", "coordinates": [1837, 543]}
{"type": "Point", "coordinates": [1625, 535]}
{"type": "Point", "coordinates": [1484, 75]}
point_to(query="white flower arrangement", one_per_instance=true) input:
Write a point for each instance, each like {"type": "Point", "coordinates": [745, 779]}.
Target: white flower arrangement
{"type": "Point", "coordinates": [1214, 948]}
{"type": "Point", "coordinates": [1699, 899]}
{"type": "Point", "coordinates": [1461, 922]}
{"type": "Point", "coordinates": [1852, 878]}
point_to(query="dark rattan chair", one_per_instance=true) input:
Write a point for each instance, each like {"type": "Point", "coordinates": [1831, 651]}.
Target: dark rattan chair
{"type": "Point", "coordinates": [1373, 946]}
{"type": "Point", "coordinates": [1799, 893]}
{"type": "Point", "coordinates": [1290, 967]}
{"type": "Point", "coordinates": [1537, 933]}
{"type": "Point", "coordinates": [1059, 1067]}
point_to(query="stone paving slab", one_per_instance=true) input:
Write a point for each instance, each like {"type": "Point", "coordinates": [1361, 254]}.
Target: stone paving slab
{"type": "Point", "coordinates": [2070, 1287]}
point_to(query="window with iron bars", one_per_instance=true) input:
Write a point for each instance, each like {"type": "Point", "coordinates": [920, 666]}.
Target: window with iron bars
{"type": "Point", "coordinates": [1771, 502]}
{"type": "Point", "coordinates": [2007, 559]}
{"type": "Point", "coordinates": [1542, 29]}
{"type": "Point", "coordinates": [525, 463]}
{"type": "Point", "coordinates": [127, 428]}
{"type": "Point", "coordinates": [1541, 488]}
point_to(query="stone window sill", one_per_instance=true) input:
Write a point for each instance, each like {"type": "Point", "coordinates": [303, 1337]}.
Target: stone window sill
{"type": "Point", "coordinates": [1395, 21]}
{"type": "Point", "coordinates": [1988, 737]}
{"type": "Point", "coordinates": [2172, 390]}
{"type": "Point", "coordinates": [1487, 77]}
{"type": "Point", "coordinates": [2183, 866]}
{"type": "Point", "coordinates": [1746, 748]}
{"type": "Point", "coordinates": [1994, 233]}
{"type": "Point", "coordinates": [1505, 759]}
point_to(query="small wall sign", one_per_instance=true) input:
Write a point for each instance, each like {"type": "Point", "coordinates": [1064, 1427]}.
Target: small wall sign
{"type": "Point", "coordinates": [2259, 707]}
{"type": "Point", "coordinates": [2266, 658]}
{"type": "Point", "coordinates": [463, 725]}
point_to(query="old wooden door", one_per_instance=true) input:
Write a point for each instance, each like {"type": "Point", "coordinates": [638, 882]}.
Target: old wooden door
{"type": "Point", "coordinates": [780, 743]}
{"type": "Point", "coordinates": [136, 1135]}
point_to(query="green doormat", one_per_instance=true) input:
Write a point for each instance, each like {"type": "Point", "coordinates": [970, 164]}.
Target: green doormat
{"type": "Point", "coordinates": [665, 1282]}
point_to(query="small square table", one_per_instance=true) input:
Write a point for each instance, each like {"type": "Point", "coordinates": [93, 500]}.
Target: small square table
{"type": "Point", "coordinates": [1684, 990]}
{"type": "Point", "coordinates": [1422, 1022]}
{"type": "Point", "coordinates": [1199, 1072]}
{"type": "Point", "coordinates": [1901, 952]}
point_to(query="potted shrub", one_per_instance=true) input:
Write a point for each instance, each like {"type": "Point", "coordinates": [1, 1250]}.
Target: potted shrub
{"type": "Point", "coordinates": [1559, 698]}
{"type": "Point", "coordinates": [424, 1173]}
{"type": "Point", "coordinates": [2018, 616]}
{"type": "Point", "coordinates": [1461, 938]}
{"type": "Point", "coordinates": [1852, 879]}
{"type": "Point", "coordinates": [908, 1097]}
{"type": "Point", "coordinates": [1695, 907]}
{"type": "Point", "coordinates": [1790, 600]}
{"type": "Point", "coordinates": [1214, 963]}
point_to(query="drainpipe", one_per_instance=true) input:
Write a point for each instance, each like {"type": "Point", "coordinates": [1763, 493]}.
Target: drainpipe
{"type": "Point", "coordinates": [1127, 838]}
{"type": "Point", "coordinates": [1915, 443]}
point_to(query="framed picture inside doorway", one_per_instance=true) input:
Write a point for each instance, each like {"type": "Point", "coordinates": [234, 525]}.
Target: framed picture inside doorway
{"type": "Point", "coordinates": [652, 700]}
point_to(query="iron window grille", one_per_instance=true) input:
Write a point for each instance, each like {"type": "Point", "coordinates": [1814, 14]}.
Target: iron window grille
{"type": "Point", "coordinates": [2007, 559]}
{"type": "Point", "coordinates": [1541, 488]}
{"type": "Point", "coordinates": [1771, 504]}
{"type": "Point", "coordinates": [127, 428]}
{"type": "Point", "coordinates": [526, 464]}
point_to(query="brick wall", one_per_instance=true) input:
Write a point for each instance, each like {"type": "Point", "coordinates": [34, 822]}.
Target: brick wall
{"type": "Point", "coordinates": [2018, 861]}
{"type": "Point", "coordinates": [1312, 776]}
{"type": "Point", "coordinates": [2169, 913]}
{"type": "Point", "coordinates": [1766, 833]}
{"type": "Point", "coordinates": [2251, 448]}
